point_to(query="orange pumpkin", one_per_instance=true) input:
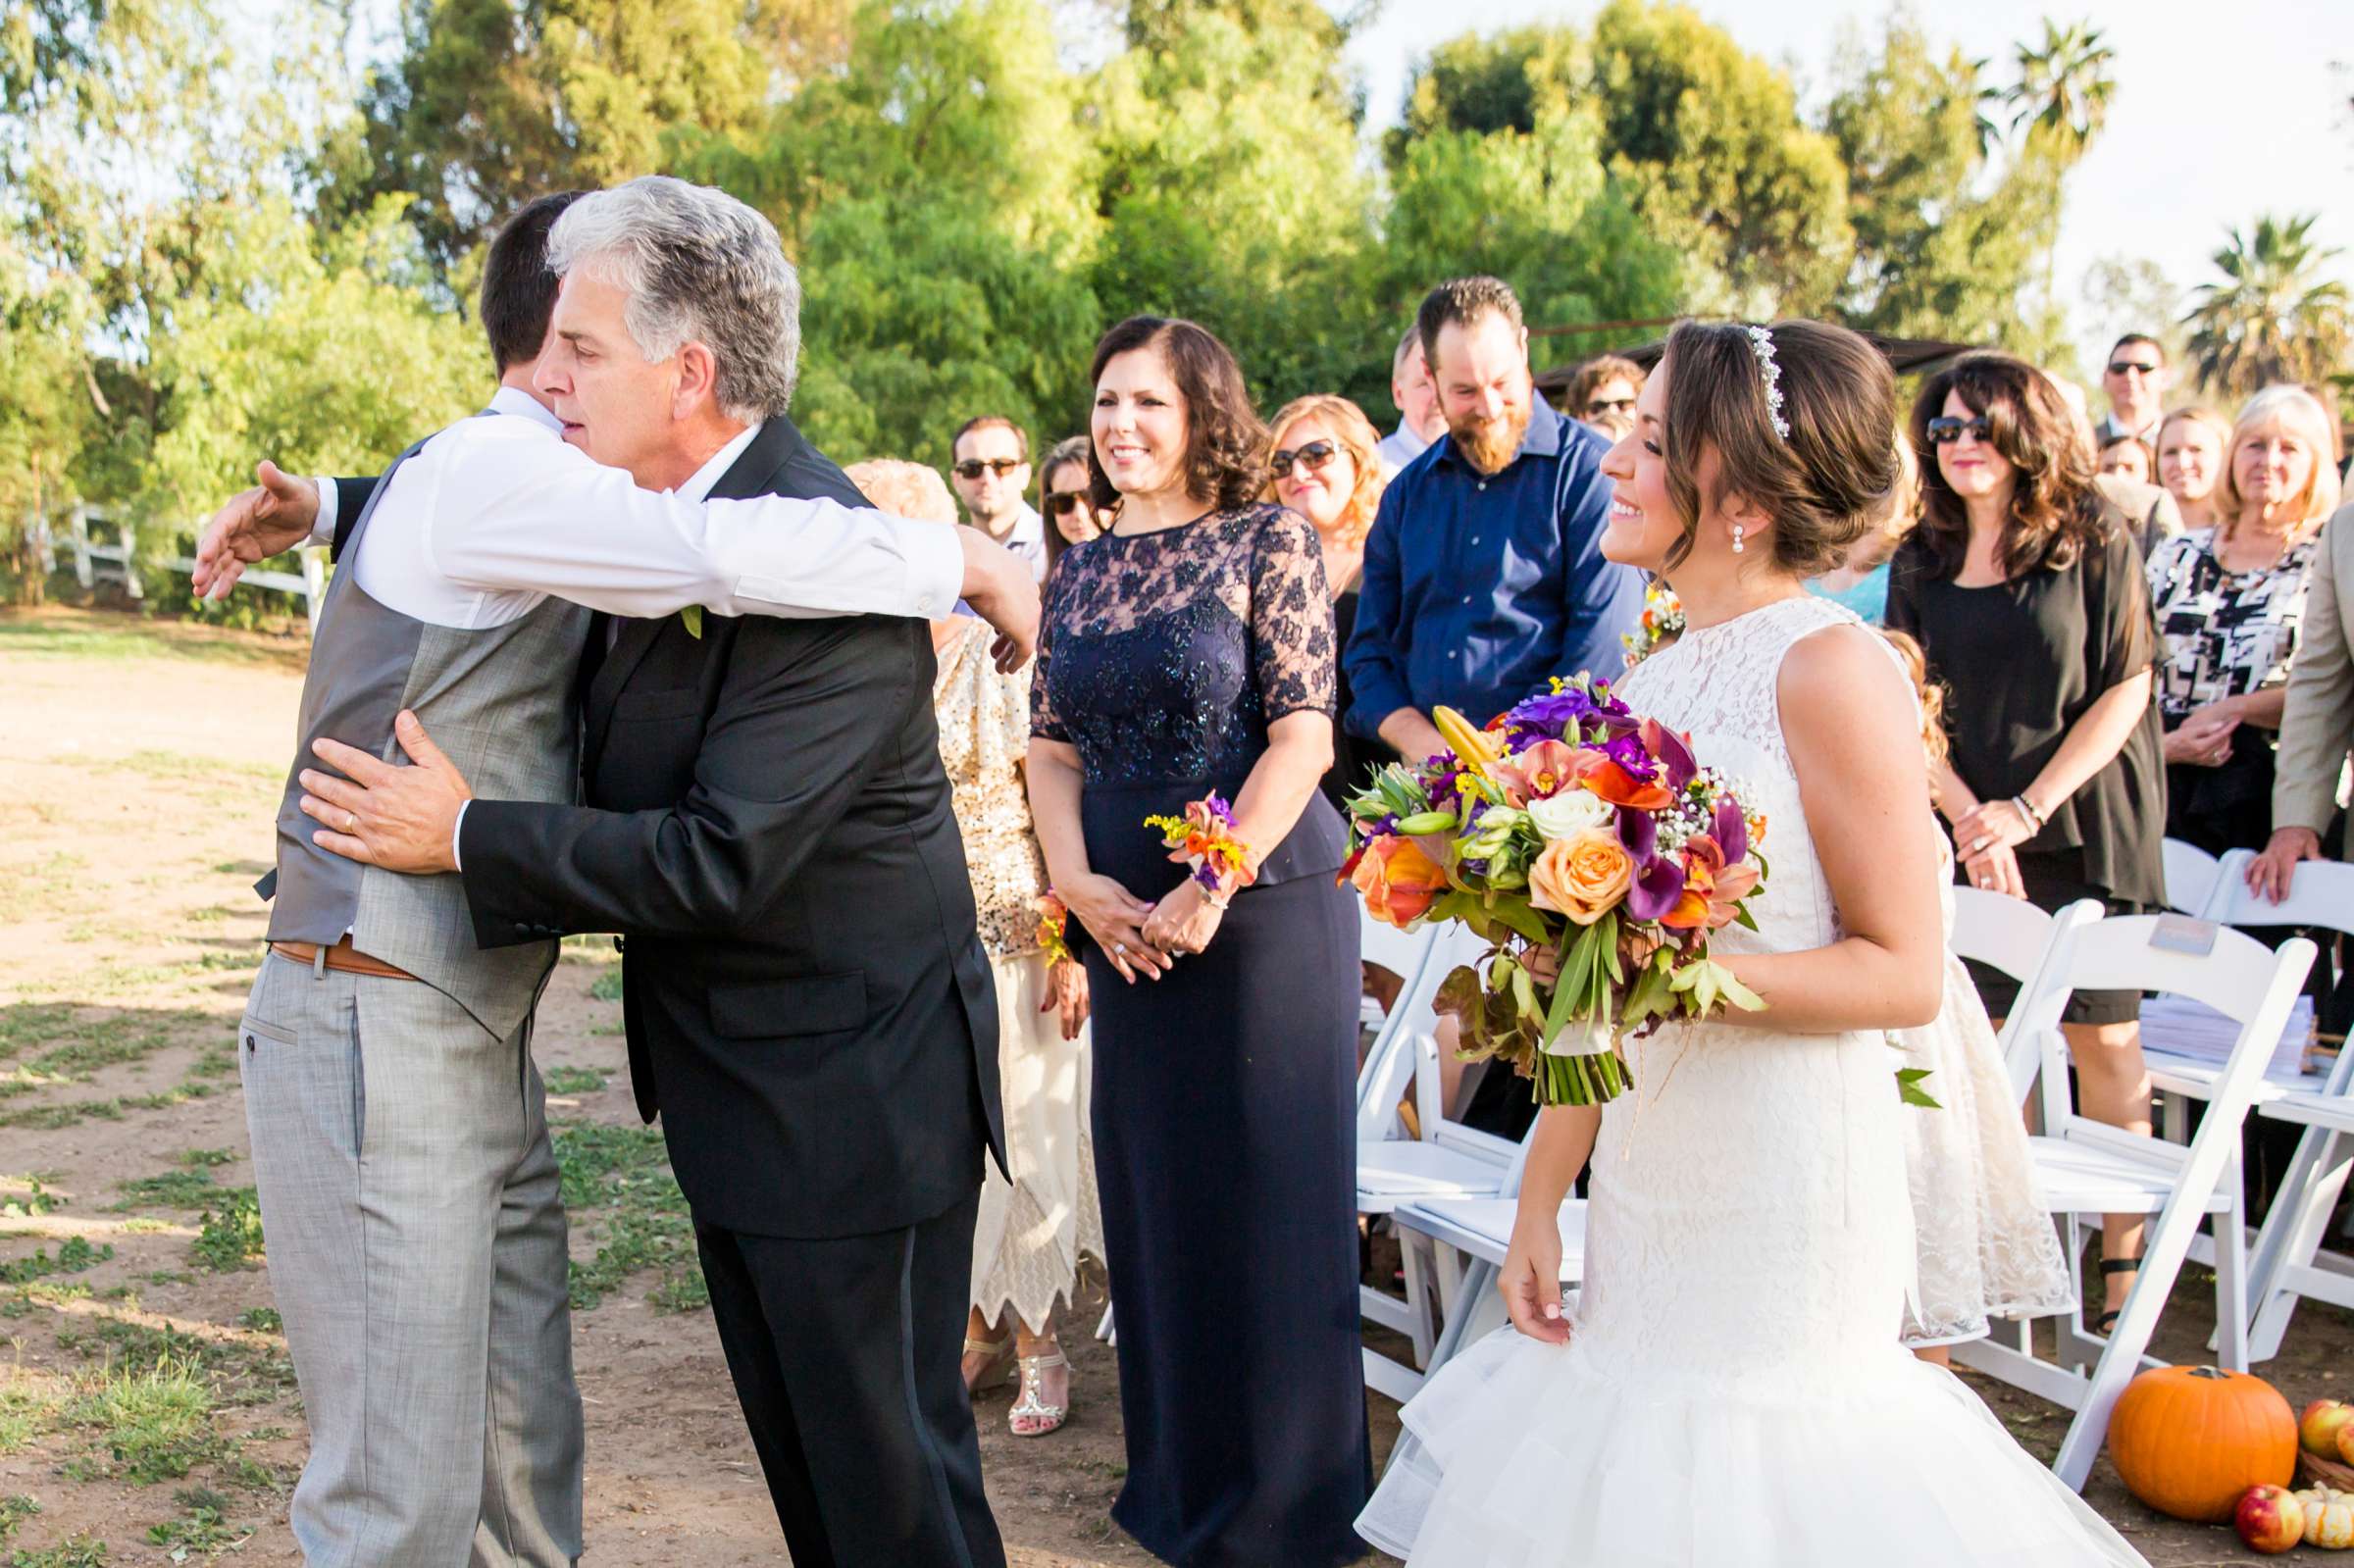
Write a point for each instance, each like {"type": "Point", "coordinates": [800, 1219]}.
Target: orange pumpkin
{"type": "Point", "coordinates": [2190, 1441]}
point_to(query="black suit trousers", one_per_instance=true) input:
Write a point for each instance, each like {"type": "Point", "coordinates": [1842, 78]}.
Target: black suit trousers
{"type": "Point", "coordinates": [844, 1351]}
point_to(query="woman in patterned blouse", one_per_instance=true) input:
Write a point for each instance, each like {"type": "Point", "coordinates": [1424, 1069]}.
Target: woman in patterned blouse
{"type": "Point", "coordinates": [2229, 601]}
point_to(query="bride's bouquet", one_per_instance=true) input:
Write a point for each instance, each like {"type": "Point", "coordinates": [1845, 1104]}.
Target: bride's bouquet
{"type": "Point", "coordinates": [1593, 852]}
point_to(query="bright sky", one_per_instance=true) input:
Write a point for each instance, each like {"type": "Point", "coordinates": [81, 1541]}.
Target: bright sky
{"type": "Point", "coordinates": [2223, 109]}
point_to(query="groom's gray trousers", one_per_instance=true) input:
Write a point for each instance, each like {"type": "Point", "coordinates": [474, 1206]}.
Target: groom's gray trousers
{"type": "Point", "coordinates": [416, 1246]}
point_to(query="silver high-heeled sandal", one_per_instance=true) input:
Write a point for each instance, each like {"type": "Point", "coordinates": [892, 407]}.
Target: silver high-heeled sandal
{"type": "Point", "coordinates": [1031, 1405]}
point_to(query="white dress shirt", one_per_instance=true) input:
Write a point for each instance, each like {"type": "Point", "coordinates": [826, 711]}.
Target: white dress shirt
{"type": "Point", "coordinates": [1401, 447]}
{"type": "Point", "coordinates": [494, 514]}
{"type": "Point", "coordinates": [1027, 539]}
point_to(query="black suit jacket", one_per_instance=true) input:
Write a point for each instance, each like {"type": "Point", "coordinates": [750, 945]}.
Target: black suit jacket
{"type": "Point", "coordinates": [767, 824]}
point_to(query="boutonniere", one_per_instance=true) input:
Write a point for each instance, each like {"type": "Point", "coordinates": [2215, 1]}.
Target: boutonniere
{"type": "Point", "coordinates": [691, 618]}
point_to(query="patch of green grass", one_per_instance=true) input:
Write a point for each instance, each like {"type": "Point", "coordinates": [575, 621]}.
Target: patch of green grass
{"type": "Point", "coordinates": [75, 1551]}
{"type": "Point", "coordinates": [202, 1528]}
{"type": "Point", "coordinates": [262, 1320]}
{"type": "Point", "coordinates": [14, 1511]}
{"type": "Point", "coordinates": [204, 1159]}
{"type": "Point", "coordinates": [54, 883]}
{"type": "Point", "coordinates": [155, 1423]}
{"type": "Point", "coordinates": [74, 1255]}
{"type": "Point", "coordinates": [22, 1198]}
{"type": "Point", "coordinates": [173, 1190]}
{"type": "Point", "coordinates": [574, 1081]}
{"type": "Point", "coordinates": [226, 1237]}
{"type": "Point", "coordinates": [25, 1410]}
{"type": "Point", "coordinates": [52, 1118]}
{"type": "Point", "coordinates": [606, 987]}
{"type": "Point", "coordinates": [617, 1178]}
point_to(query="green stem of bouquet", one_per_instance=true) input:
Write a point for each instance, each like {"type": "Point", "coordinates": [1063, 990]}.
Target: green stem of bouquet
{"type": "Point", "coordinates": [1579, 1079]}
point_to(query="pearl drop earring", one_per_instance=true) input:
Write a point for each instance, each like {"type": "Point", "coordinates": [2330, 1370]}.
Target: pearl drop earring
{"type": "Point", "coordinates": [1737, 546]}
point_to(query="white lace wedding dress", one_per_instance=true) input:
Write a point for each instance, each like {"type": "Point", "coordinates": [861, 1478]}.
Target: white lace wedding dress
{"type": "Point", "coordinates": [1733, 1392]}
{"type": "Point", "coordinates": [1983, 1240]}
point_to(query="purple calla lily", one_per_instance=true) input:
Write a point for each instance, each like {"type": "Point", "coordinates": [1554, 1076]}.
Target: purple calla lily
{"type": "Point", "coordinates": [1675, 756]}
{"type": "Point", "coordinates": [1732, 830]}
{"type": "Point", "coordinates": [1639, 832]}
{"type": "Point", "coordinates": [1655, 889]}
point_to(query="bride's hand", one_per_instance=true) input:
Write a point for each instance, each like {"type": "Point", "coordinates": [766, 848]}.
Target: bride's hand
{"type": "Point", "coordinates": [1531, 1280]}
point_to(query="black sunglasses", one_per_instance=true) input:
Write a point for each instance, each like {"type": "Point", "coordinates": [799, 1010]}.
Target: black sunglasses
{"type": "Point", "coordinates": [2131, 367]}
{"type": "Point", "coordinates": [1945, 429]}
{"type": "Point", "coordinates": [971, 467]}
{"type": "Point", "coordinates": [1062, 503]}
{"type": "Point", "coordinates": [1598, 406]}
{"type": "Point", "coordinates": [1315, 454]}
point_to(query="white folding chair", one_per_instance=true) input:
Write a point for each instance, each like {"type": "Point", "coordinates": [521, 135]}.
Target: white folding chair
{"type": "Point", "coordinates": [1448, 1159]}
{"type": "Point", "coordinates": [1468, 1237]}
{"type": "Point", "coordinates": [2288, 1259]}
{"type": "Point", "coordinates": [1391, 1062]}
{"type": "Point", "coordinates": [2023, 941]}
{"type": "Point", "coordinates": [2085, 1168]}
{"type": "Point", "coordinates": [2180, 1075]}
{"type": "Point", "coordinates": [2191, 876]}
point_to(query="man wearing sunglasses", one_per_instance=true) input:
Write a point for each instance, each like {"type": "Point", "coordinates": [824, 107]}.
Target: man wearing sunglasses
{"type": "Point", "coordinates": [992, 472]}
{"type": "Point", "coordinates": [2136, 379]}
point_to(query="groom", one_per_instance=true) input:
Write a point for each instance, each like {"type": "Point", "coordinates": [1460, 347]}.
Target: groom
{"type": "Point", "coordinates": [806, 999]}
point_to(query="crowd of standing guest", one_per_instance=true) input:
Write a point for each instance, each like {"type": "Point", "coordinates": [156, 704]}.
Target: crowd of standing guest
{"type": "Point", "coordinates": [2114, 620]}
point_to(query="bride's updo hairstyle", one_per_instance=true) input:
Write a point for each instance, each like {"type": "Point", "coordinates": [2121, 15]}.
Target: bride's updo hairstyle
{"type": "Point", "coordinates": [1829, 481]}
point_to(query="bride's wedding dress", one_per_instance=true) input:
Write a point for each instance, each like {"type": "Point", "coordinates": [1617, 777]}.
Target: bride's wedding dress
{"type": "Point", "coordinates": [1733, 1391]}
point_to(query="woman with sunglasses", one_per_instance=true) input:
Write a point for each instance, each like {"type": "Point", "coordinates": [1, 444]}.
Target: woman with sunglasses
{"type": "Point", "coordinates": [1322, 463]}
{"type": "Point", "coordinates": [1071, 518]}
{"type": "Point", "coordinates": [2027, 597]}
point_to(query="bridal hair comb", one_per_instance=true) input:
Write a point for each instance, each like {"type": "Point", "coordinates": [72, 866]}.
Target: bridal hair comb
{"type": "Point", "coordinates": [1761, 343]}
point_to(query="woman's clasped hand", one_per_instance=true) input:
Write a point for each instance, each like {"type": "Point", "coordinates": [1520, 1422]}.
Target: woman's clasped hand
{"type": "Point", "coordinates": [1116, 918]}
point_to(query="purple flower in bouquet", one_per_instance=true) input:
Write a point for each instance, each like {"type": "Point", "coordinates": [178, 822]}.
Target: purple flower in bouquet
{"type": "Point", "coordinates": [1658, 885]}
{"type": "Point", "coordinates": [1730, 829]}
{"type": "Point", "coordinates": [1628, 751]}
{"type": "Point", "coordinates": [1675, 756]}
{"type": "Point", "coordinates": [1547, 716]}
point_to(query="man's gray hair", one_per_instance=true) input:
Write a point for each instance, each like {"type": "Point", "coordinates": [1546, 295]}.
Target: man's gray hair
{"type": "Point", "coordinates": [698, 266]}
{"type": "Point", "coordinates": [1411, 340]}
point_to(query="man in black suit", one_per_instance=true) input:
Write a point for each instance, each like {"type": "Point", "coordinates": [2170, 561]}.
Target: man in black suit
{"type": "Point", "coordinates": [805, 996]}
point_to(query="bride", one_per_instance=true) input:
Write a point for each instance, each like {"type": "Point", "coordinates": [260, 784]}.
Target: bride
{"type": "Point", "coordinates": [1730, 1390]}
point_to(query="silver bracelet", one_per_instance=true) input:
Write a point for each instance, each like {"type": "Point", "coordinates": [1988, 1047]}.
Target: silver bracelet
{"type": "Point", "coordinates": [2026, 809]}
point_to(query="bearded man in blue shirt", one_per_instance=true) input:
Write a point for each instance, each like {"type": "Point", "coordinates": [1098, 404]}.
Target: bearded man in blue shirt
{"type": "Point", "coordinates": [1484, 575]}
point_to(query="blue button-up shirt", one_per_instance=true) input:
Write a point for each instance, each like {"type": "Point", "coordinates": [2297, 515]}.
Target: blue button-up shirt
{"type": "Point", "coordinates": [1477, 588]}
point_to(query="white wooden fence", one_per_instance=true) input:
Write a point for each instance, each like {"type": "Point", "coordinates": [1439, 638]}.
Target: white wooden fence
{"type": "Point", "coordinates": [113, 563]}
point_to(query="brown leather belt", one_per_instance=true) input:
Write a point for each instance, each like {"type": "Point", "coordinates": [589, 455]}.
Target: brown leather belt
{"type": "Point", "coordinates": [343, 956]}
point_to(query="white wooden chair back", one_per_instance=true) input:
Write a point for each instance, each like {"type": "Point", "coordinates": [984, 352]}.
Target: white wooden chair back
{"type": "Point", "coordinates": [1387, 1075]}
{"type": "Point", "coordinates": [1457, 945]}
{"type": "Point", "coordinates": [2239, 977]}
{"type": "Point", "coordinates": [2192, 877]}
{"type": "Point", "coordinates": [2319, 894]}
{"type": "Point", "coordinates": [1397, 951]}
{"type": "Point", "coordinates": [2023, 941]}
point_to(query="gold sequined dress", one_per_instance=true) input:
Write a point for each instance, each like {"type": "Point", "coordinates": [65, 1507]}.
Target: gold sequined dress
{"type": "Point", "coordinates": [1032, 1228]}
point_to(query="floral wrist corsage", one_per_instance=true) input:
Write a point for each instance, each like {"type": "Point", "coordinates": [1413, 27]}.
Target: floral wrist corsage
{"type": "Point", "coordinates": [1203, 838]}
{"type": "Point", "coordinates": [1053, 921]}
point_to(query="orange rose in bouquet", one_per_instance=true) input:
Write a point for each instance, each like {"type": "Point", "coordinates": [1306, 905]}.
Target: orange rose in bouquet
{"type": "Point", "coordinates": [1583, 876]}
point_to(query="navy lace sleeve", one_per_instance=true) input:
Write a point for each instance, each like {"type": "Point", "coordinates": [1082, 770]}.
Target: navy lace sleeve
{"type": "Point", "coordinates": [1044, 724]}
{"type": "Point", "coordinates": [1291, 649]}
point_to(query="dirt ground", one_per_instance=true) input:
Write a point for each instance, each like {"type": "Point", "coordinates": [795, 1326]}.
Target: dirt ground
{"type": "Point", "coordinates": [146, 1401]}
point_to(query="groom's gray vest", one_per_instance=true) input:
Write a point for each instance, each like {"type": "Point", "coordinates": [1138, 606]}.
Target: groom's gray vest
{"type": "Point", "coordinates": [498, 701]}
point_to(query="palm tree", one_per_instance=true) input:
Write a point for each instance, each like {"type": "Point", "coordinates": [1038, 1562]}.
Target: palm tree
{"type": "Point", "coordinates": [2064, 87]}
{"type": "Point", "coordinates": [2274, 318]}
{"type": "Point", "coordinates": [2061, 101]}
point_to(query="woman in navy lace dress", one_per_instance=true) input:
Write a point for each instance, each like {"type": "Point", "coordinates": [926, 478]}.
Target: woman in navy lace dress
{"type": "Point", "coordinates": [1186, 652]}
